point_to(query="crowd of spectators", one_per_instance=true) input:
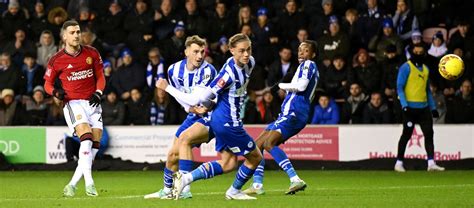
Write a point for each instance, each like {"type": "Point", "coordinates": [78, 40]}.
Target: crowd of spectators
{"type": "Point", "coordinates": [361, 45]}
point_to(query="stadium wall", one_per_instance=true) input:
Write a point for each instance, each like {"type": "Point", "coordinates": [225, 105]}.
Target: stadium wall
{"type": "Point", "coordinates": [326, 144]}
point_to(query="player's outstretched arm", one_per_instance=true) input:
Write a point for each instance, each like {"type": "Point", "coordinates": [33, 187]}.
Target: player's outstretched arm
{"type": "Point", "coordinates": [198, 96]}
{"type": "Point", "coordinates": [298, 86]}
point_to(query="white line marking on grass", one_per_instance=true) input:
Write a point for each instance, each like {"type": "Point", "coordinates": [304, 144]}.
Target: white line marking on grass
{"type": "Point", "coordinates": [223, 193]}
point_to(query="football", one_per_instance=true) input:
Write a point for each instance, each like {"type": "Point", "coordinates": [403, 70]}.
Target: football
{"type": "Point", "coordinates": [451, 67]}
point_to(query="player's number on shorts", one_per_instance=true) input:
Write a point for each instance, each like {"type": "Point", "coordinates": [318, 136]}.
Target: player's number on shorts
{"type": "Point", "coordinates": [100, 119]}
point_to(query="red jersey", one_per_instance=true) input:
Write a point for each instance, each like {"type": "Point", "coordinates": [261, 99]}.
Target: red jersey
{"type": "Point", "coordinates": [81, 74]}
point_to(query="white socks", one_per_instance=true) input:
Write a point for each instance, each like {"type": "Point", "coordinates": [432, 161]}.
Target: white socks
{"type": "Point", "coordinates": [399, 162]}
{"type": "Point", "coordinates": [431, 162]}
{"type": "Point", "coordinates": [85, 161]}
{"type": "Point", "coordinates": [78, 172]}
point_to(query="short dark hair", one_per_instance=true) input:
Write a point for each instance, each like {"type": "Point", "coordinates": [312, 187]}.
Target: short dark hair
{"type": "Point", "coordinates": [69, 23]}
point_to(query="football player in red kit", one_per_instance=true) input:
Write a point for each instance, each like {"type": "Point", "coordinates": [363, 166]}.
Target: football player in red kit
{"type": "Point", "coordinates": [80, 72]}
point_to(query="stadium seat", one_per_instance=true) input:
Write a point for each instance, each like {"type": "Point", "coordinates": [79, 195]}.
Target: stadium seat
{"type": "Point", "coordinates": [428, 33]}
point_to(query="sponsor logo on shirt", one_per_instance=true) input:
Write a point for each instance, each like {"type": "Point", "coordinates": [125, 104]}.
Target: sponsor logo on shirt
{"type": "Point", "coordinates": [80, 75]}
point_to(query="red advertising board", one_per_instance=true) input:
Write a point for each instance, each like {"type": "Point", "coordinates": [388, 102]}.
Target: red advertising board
{"type": "Point", "coordinates": [312, 143]}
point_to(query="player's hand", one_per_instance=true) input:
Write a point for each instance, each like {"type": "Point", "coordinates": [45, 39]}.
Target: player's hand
{"type": "Point", "coordinates": [59, 93]}
{"type": "Point", "coordinates": [435, 113]}
{"type": "Point", "coordinates": [95, 99]}
{"type": "Point", "coordinates": [161, 84]}
{"type": "Point", "coordinates": [200, 110]}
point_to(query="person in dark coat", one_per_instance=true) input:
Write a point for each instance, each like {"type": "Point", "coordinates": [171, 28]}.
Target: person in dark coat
{"type": "Point", "coordinates": [130, 75]}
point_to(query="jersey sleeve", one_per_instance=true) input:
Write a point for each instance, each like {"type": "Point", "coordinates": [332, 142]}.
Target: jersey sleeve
{"type": "Point", "coordinates": [221, 82]}
{"type": "Point", "coordinates": [50, 76]}
{"type": "Point", "coordinates": [173, 82]}
{"type": "Point", "coordinates": [99, 71]}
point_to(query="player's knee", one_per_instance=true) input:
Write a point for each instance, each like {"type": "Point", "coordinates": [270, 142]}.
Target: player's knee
{"type": "Point", "coordinates": [185, 138]}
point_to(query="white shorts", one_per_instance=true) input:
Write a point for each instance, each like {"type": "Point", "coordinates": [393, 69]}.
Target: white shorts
{"type": "Point", "coordinates": [79, 111]}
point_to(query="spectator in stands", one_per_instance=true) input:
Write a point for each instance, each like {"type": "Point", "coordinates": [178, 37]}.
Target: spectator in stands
{"type": "Point", "coordinates": [353, 108]}
{"type": "Point", "coordinates": [376, 111]}
{"type": "Point", "coordinates": [301, 36]}
{"type": "Point", "coordinates": [352, 27]}
{"type": "Point", "coordinates": [416, 38]}
{"type": "Point", "coordinates": [164, 110]}
{"type": "Point", "coordinates": [111, 30]}
{"type": "Point", "coordinates": [36, 107]}
{"type": "Point", "coordinates": [89, 38]}
{"type": "Point", "coordinates": [108, 74]}
{"type": "Point", "coordinates": [9, 74]}
{"type": "Point", "coordinates": [251, 113]}
{"type": "Point", "coordinates": [438, 46]}
{"type": "Point", "coordinates": [335, 80]}
{"type": "Point", "coordinates": [55, 113]}
{"type": "Point", "coordinates": [220, 24]}
{"type": "Point", "coordinates": [461, 108]}
{"type": "Point", "coordinates": [31, 75]}
{"type": "Point", "coordinates": [281, 70]}
{"type": "Point", "coordinates": [165, 20]}
{"type": "Point", "coordinates": [46, 48]}
{"type": "Point", "coordinates": [370, 20]}
{"type": "Point", "coordinates": [379, 43]}
{"type": "Point", "coordinates": [335, 42]}
{"type": "Point", "coordinates": [266, 38]}
{"type": "Point", "coordinates": [440, 102]}
{"type": "Point", "coordinates": [38, 21]}
{"type": "Point", "coordinates": [462, 38]}
{"type": "Point", "coordinates": [390, 64]}
{"type": "Point", "coordinates": [11, 112]}
{"type": "Point", "coordinates": [130, 75]}
{"type": "Point", "coordinates": [139, 25]}
{"type": "Point", "coordinates": [222, 53]}
{"type": "Point", "coordinates": [366, 72]}
{"type": "Point", "coordinates": [319, 23]}
{"type": "Point", "coordinates": [244, 17]}
{"type": "Point", "coordinates": [268, 109]}
{"type": "Point", "coordinates": [113, 109]}
{"type": "Point", "coordinates": [196, 23]}
{"type": "Point", "coordinates": [154, 70]}
{"type": "Point", "coordinates": [404, 20]}
{"type": "Point", "coordinates": [137, 109]}
{"type": "Point", "coordinates": [326, 112]}
{"type": "Point", "coordinates": [19, 46]}
{"type": "Point", "coordinates": [172, 48]}
{"type": "Point", "coordinates": [56, 17]}
{"type": "Point", "coordinates": [290, 22]}
{"type": "Point", "coordinates": [75, 7]}
{"type": "Point", "coordinates": [12, 20]}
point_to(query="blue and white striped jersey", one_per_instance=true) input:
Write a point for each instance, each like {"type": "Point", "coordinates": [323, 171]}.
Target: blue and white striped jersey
{"type": "Point", "coordinates": [185, 81]}
{"type": "Point", "coordinates": [230, 86]}
{"type": "Point", "coordinates": [300, 102]}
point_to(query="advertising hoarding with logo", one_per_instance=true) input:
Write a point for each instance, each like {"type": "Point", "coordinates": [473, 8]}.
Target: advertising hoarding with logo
{"type": "Point", "coordinates": [23, 145]}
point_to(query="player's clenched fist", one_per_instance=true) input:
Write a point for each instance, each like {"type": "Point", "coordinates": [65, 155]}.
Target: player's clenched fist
{"type": "Point", "coordinates": [161, 84]}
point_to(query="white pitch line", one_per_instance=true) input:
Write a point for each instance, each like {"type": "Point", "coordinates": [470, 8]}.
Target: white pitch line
{"type": "Point", "coordinates": [273, 190]}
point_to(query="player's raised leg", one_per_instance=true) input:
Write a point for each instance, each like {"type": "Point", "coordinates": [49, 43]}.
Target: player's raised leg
{"type": "Point", "coordinates": [196, 134]}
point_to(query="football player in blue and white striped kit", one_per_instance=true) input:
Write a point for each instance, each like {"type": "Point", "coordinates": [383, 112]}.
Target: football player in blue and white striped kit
{"type": "Point", "coordinates": [230, 88]}
{"type": "Point", "coordinates": [292, 119]}
{"type": "Point", "coordinates": [187, 75]}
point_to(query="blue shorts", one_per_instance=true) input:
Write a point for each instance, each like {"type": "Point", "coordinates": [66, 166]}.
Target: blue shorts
{"type": "Point", "coordinates": [189, 121]}
{"type": "Point", "coordinates": [234, 139]}
{"type": "Point", "coordinates": [288, 125]}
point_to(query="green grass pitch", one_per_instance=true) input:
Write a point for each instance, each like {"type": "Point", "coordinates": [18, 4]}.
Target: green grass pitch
{"type": "Point", "coordinates": [325, 189]}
